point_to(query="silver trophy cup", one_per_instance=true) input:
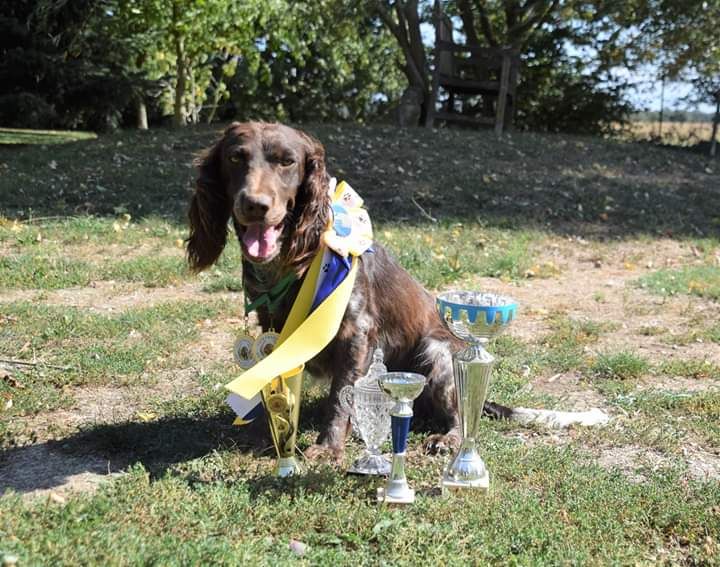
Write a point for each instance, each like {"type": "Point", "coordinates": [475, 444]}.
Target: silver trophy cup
{"type": "Point", "coordinates": [403, 387]}
{"type": "Point", "coordinates": [369, 409]}
{"type": "Point", "coordinates": [474, 318]}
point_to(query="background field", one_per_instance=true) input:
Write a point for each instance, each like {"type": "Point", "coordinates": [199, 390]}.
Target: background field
{"type": "Point", "coordinates": [670, 133]}
{"type": "Point", "coordinates": [117, 447]}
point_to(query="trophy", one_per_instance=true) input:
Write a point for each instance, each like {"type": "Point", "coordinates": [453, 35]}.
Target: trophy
{"type": "Point", "coordinates": [403, 388]}
{"type": "Point", "coordinates": [369, 409]}
{"type": "Point", "coordinates": [475, 318]}
{"type": "Point", "coordinates": [282, 402]}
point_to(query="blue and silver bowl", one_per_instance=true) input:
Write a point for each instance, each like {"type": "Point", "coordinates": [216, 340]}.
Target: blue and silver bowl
{"type": "Point", "coordinates": [476, 316]}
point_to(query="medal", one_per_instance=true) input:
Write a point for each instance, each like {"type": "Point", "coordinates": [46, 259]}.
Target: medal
{"type": "Point", "coordinates": [243, 351]}
{"type": "Point", "coordinates": [264, 344]}
{"type": "Point", "coordinates": [243, 348]}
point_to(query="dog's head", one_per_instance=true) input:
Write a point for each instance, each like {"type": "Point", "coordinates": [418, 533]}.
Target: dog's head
{"type": "Point", "coordinates": [271, 181]}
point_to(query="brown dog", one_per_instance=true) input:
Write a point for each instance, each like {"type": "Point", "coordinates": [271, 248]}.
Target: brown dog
{"type": "Point", "coordinates": [271, 181]}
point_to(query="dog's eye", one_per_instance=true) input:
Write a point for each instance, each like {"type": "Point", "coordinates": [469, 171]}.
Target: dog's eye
{"type": "Point", "coordinates": [235, 158]}
{"type": "Point", "coordinates": [287, 162]}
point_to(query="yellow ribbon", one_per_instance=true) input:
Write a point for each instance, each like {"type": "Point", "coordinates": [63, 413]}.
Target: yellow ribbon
{"type": "Point", "coordinates": [303, 336]}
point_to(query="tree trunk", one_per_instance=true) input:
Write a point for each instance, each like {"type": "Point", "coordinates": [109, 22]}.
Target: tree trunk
{"type": "Point", "coordinates": [142, 121]}
{"type": "Point", "coordinates": [180, 71]}
{"type": "Point", "coordinates": [407, 32]}
{"type": "Point", "coordinates": [193, 110]}
{"type": "Point", "coordinates": [716, 120]}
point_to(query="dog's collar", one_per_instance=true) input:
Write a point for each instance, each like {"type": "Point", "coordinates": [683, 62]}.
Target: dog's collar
{"type": "Point", "coordinates": [273, 297]}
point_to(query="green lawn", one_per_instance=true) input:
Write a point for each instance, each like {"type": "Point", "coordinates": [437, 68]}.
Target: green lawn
{"type": "Point", "coordinates": [22, 136]}
{"type": "Point", "coordinates": [127, 353]}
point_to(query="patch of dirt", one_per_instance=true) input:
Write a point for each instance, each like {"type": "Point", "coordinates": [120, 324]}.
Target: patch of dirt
{"type": "Point", "coordinates": [111, 296]}
{"type": "Point", "coordinates": [45, 469]}
{"type": "Point", "coordinates": [572, 393]}
{"type": "Point", "coordinates": [633, 461]}
{"type": "Point", "coordinates": [42, 470]}
{"type": "Point", "coordinates": [595, 282]}
{"type": "Point", "coordinates": [680, 384]}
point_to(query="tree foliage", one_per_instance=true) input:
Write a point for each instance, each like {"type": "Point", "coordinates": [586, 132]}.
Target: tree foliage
{"type": "Point", "coordinates": [59, 68]}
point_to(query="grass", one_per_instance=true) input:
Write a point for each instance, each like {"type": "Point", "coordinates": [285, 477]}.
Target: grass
{"type": "Point", "coordinates": [672, 133]}
{"type": "Point", "coordinates": [679, 414]}
{"type": "Point", "coordinates": [75, 252]}
{"type": "Point", "coordinates": [563, 349]}
{"type": "Point", "coordinates": [23, 136]}
{"type": "Point", "coordinates": [697, 369]}
{"type": "Point", "coordinates": [701, 281]}
{"type": "Point", "coordinates": [619, 366]}
{"type": "Point", "coordinates": [547, 507]}
{"type": "Point", "coordinates": [196, 490]}
{"type": "Point", "coordinates": [442, 255]}
{"type": "Point", "coordinates": [96, 348]}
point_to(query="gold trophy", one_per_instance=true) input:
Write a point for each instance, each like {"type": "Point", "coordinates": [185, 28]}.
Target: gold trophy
{"type": "Point", "coordinates": [281, 399]}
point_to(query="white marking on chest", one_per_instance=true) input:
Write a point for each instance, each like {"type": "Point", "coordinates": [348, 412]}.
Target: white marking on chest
{"type": "Point", "coordinates": [436, 352]}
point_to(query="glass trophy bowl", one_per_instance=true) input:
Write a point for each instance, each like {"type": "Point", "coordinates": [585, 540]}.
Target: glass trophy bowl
{"type": "Point", "coordinates": [369, 409]}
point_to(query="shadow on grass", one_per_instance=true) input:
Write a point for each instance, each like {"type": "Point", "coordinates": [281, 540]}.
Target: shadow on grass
{"type": "Point", "coordinates": [104, 449]}
{"type": "Point", "coordinates": [565, 184]}
{"type": "Point", "coordinates": [110, 448]}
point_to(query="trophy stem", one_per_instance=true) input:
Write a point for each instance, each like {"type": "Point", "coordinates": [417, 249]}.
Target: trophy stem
{"type": "Point", "coordinates": [397, 490]}
{"type": "Point", "coordinates": [472, 368]}
{"type": "Point", "coordinates": [282, 402]}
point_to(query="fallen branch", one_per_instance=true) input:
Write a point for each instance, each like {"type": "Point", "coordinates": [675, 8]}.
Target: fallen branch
{"type": "Point", "coordinates": [31, 363]}
{"type": "Point", "coordinates": [423, 211]}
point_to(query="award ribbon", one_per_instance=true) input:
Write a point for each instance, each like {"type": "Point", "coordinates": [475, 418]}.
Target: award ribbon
{"type": "Point", "coordinates": [318, 310]}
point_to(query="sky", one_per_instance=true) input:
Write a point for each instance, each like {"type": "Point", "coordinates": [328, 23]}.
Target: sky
{"type": "Point", "coordinates": [647, 93]}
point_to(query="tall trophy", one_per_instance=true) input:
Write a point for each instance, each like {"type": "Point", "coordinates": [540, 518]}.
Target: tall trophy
{"type": "Point", "coordinates": [475, 318]}
{"type": "Point", "coordinates": [403, 387]}
{"type": "Point", "coordinates": [369, 409]}
{"type": "Point", "coordinates": [282, 402]}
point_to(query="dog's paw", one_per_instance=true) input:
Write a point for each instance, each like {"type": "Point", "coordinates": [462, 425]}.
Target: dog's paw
{"type": "Point", "coordinates": [438, 444]}
{"type": "Point", "coordinates": [325, 453]}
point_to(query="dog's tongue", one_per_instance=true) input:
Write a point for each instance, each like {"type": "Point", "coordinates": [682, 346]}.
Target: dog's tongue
{"type": "Point", "coordinates": [261, 241]}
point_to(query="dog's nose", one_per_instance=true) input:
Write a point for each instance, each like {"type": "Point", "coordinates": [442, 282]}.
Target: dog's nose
{"type": "Point", "coordinates": [255, 205]}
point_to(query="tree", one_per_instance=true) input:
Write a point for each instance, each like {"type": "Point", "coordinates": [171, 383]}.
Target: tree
{"type": "Point", "coordinates": [403, 19]}
{"type": "Point", "coordinates": [328, 60]}
{"type": "Point", "coordinates": [58, 67]}
{"type": "Point", "coordinates": [687, 37]}
{"type": "Point", "coordinates": [559, 89]}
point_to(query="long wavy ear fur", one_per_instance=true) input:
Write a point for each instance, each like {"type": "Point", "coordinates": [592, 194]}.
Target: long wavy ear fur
{"type": "Point", "coordinates": [209, 212]}
{"type": "Point", "coordinates": [312, 207]}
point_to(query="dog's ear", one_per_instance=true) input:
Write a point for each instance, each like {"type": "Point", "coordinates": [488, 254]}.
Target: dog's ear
{"type": "Point", "coordinates": [312, 205]}
{"type": "Point", "coordinates": [209, 211]}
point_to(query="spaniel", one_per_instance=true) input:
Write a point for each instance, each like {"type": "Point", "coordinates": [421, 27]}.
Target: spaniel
{"type": "Point", "coordinates": [271, 181]}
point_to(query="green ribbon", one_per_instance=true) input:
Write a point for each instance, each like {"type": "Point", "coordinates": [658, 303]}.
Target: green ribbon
{"type": "Point", "coordinates": [273, 297]}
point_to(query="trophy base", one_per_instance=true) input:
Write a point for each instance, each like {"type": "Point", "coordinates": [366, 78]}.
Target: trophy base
{"type": "Point", "coordinates": [467, 470]}
{"type": "Point", "coordinates": [451, 485]}
{"type": "Point", "coordinates": [370, 464]}
{"type": "Point", "coordinates": [287, 466]}
{"type": "Point", "coordinates": [406, 497]}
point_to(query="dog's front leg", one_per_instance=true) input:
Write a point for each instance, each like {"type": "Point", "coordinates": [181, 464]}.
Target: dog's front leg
{"type": "Point", "coordinates": [345, 361]}
{"type": "Point", "coordinates": [331, 440]}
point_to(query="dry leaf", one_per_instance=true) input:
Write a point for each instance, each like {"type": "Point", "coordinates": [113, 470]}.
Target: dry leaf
{"type": "Point", "coordinates": [146, 416]}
